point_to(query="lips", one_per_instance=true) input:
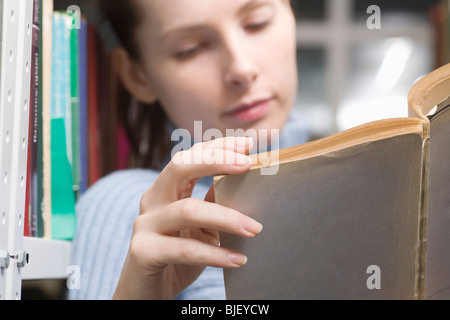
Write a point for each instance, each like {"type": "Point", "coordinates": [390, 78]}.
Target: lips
{"type": "Point", "coordinates": [248, 112]}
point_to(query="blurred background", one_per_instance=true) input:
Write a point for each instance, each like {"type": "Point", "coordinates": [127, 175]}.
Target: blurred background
{"type": "Point", "coordinates": [352, 73]}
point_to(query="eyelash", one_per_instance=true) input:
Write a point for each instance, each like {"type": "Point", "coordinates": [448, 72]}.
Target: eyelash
{"type": "Point", "coordinates": [187, 53]}
{"type": "Point", "coordinates": [183, 55]}
{"type": "Point", "coordinates": [257, 26]}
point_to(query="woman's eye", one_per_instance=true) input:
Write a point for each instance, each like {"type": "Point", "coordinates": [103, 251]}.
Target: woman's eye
{"type": "Point", "coordinates": [256, 26]}
{"type": "Point", "coordinates": [187, 53]}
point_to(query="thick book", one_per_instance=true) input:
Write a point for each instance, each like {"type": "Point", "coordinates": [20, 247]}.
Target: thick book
{"type": "Point", "coordinates": [45, 102]}
{"type": "Point", "coordinates": [362, 214]}
{"type": "Point", "coordinates": [32, 202]}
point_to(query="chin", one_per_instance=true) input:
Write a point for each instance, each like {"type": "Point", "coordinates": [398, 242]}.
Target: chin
{"type": "Point", "coordinates": [267, 129]}
{"type": "Point", "coordinates": [275, 120]}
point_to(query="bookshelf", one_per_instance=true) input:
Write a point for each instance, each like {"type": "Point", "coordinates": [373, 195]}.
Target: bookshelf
{"type": "Point", "coordinates": [48, 259]}
{"type": "Point", "coordinates": [22, 257]}
{"type": "Point", "coordinates": [14, 116]}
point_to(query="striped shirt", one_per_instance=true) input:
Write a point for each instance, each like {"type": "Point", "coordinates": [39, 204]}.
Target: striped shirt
{"type": "Point", "coordinates": [105, 216]}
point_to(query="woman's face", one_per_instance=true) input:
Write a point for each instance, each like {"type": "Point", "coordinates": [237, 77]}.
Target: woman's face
{"type": "Point", "coordinates": [229, 64]}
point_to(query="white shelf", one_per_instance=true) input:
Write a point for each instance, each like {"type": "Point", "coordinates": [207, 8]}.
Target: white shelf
{"type": "Point", "coordinates": [48, 259]}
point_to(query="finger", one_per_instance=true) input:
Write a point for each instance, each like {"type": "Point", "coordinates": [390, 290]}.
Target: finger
{"type": "Point", "coordinates": [187, 167]}
{"type": "Point", "coordinates": [205, 235]}
{"type": "Point", "coordinates": [195, 213]}
{"type": "Point", "coordinates": [236, 144]}
{"type": "Point", "coordinates": [174, 250]}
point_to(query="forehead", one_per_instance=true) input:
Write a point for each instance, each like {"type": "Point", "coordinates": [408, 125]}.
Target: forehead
{"type": "Point", "coordinates": [164, 14]}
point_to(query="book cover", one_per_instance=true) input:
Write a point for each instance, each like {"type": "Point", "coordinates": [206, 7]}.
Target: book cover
{"type": "Point", "coordinates": [357, 215]}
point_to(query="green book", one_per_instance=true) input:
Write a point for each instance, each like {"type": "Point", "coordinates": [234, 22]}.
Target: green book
{"type": "Point", "coordinates": [63, 219]}
{"type": "Point", "coordinates": [63, 197]}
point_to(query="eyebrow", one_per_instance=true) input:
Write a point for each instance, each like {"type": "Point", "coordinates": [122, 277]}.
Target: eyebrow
{"type": "Point", "coordinates": [248, 4]}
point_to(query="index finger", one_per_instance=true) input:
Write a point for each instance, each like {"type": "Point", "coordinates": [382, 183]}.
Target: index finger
{"type": "Point", "coordinates": [204, 159]}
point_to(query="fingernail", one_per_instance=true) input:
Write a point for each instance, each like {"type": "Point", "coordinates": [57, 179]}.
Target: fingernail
{"type": "Point", "coordinates": [242, 160]}
{"type": "Point", "coordinates": [237, 259]}
{"type": "Point", "coordinates": [251, 226]}
{"type": "Point", "coordinates": [243, 141]}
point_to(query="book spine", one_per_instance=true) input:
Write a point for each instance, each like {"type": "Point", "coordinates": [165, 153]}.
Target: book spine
{"type": "Point", "coordinates": [83, 81]}
{"type": "Point", "coordinates": [47, 11]}
{"type": "Point", "coordinates": [74, 103]}
{"type": "Point", "coordinates": [34, 127]}
{"type": "Point", "coordinates": [27, 211]}
{"type": "Point", "coordinates": [93, 108]}
{"type": "Point", "coordinates": [63, 196]}
{"type": "Point", "coordinates": [40, 135]}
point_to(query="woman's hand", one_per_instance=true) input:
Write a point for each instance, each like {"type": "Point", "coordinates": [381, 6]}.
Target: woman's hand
{"type": "Point", "coordinates": [175, 236]}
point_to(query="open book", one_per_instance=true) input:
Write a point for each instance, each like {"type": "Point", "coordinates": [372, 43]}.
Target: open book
{"type": "Point", "coordinates": [362, 214]}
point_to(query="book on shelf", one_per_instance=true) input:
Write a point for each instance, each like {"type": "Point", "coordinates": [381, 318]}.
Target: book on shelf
{"type": "Point", "coordinates": [83, 91]}
{"type": "Point", "coordinates": [75, 136]}
{"type": "Point", "coordinates": [362, 214]}
{"type": "Point", "coordinates": [63, 163]}
{"type": "Point", "coordinates": [35, 122]}
{"type": "Point", "coordinates": [46, 87]}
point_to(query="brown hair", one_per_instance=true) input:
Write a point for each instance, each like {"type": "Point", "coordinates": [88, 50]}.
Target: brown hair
{"type": "Point", "coordinates": [144, 124]}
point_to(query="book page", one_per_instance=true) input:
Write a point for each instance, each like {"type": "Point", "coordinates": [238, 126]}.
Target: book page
{"type": "Point", "coordinates": [342, 225]}
{"type": "Point", "coordinates": [437, 283]}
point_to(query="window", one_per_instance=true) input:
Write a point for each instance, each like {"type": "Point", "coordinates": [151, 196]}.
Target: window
{"type": "Point", "coordinates": [351, 74]}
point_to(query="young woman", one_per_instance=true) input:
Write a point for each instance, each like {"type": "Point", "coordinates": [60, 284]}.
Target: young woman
{"type": "Point", "coordinates": [150, 233]}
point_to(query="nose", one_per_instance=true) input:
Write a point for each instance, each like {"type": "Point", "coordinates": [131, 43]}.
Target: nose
{"type": "Point", "coordinates": [240, 67]}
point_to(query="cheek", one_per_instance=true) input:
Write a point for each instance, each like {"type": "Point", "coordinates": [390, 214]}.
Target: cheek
{"type": "Point", "coordinates": [195, 79]}
{"type": "Point", "coordinates": [187, 95]}
{"type": "Point", "coordinates": [191, 92]}
{"type": "Point", "coordinates": [284, 72]}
